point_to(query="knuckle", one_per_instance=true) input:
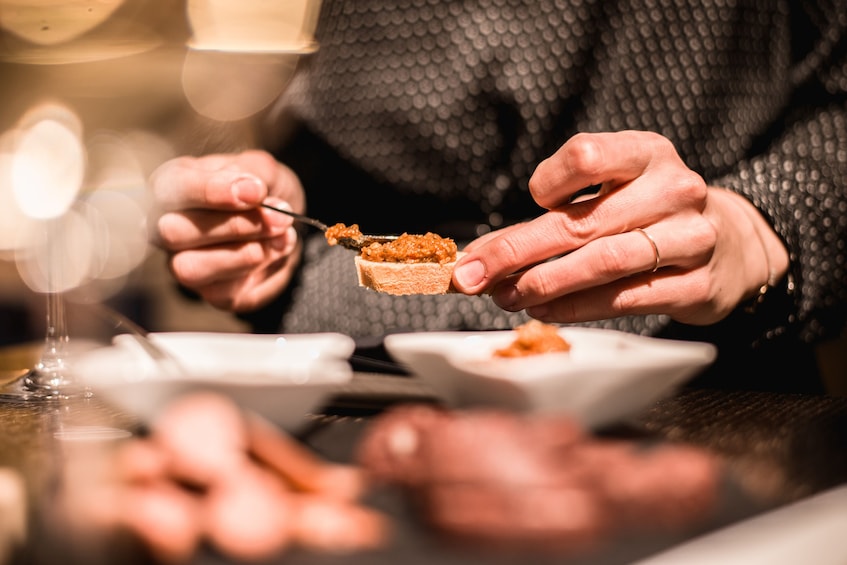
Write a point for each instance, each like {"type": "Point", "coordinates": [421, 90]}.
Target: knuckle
{"type": "Point", "coordinates": [577, 228]}
{"type": "Point", "coordinates": [659, 143]}
{"type": "Point", "coordinates": [701, 291]}
{"type": "Point", "coordinates": [535, 285]}
{"type": "Point", "coordinates": [703, 237]}
{"type": "Point", "coordinates": [166, 175]}
{"type": "Point", "coordinates": [688, 186]}
{"type": "Point", "coordinates": [168, 228]}
{"type": "Point", "coordinates": [625, 301]}
{"type": "Point", "coordinates": [584, 155]}
{"type": "Point", "coordinates": [507, 251]}
{"type": "Point", "coordinates": [613, 257]}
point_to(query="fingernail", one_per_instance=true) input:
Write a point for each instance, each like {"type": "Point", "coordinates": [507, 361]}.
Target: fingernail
{"type": "Point", "coordinates": [469, 275]}
{"type": "Point", "coordinates": [248, 190]}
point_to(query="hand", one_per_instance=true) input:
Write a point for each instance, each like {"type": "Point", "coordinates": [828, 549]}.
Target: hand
{"type": "Point", "coordinates": [585, 259]}
{"type": "Point", "coordinates": [236, 255]}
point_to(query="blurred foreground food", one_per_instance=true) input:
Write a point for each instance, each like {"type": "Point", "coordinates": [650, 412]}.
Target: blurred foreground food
{"type": "Point", "coordinates": [501, 479]}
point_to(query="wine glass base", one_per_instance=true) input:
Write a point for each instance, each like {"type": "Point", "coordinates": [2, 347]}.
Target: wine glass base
{"type": "Point", "coordinates": [35, 386]}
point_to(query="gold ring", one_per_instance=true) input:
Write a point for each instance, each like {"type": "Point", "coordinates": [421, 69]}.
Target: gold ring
{"type": "Point", "coordinates": [655, 248]}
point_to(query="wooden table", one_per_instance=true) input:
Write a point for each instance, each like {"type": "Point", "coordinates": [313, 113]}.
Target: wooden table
{"type": "Point", "coordinates": [780, 447]}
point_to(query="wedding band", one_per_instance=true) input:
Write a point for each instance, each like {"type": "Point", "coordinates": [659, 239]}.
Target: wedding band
{"type": "Point", "coordinates": [655, 248]}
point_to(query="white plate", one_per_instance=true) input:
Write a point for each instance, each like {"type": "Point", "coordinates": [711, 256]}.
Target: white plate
{"type": "Point", "coordinates": [606, 377]}
{"type": "Point", "coordinates": [281, 377]}
{"type": "Point", "coordinates": [810, 530]}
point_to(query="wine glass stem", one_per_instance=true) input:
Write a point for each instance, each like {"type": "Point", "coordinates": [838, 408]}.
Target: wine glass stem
{"type": "Point", "coordinates": [49, 375]}
{"type": "Point", "coordinates": [53, 357]}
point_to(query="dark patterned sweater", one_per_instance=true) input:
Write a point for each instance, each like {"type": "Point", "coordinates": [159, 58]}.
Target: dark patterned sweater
{"type": "Point", "coordinates": [440, 110]}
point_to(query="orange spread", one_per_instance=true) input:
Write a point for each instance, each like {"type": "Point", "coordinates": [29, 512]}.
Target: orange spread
{"type": "Point", "coordinates": [427, 248]}
{"type": "Point", "coordinates": [533, 338]}
{"type": "Point", "coordinates": [340, 231]}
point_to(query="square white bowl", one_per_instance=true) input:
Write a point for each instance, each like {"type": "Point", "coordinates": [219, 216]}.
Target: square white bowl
{"type": "Point", "coordinates": [606, 377]}
{"type": "Point", "coordinates": [281, 377]}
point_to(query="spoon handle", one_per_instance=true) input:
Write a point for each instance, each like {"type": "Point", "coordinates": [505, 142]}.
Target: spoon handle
{"type": "Point", "coordinates": [299, 217]}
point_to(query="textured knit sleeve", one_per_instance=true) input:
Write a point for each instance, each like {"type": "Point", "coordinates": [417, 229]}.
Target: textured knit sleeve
{"type": "Point", "coordinates": [799, 182]}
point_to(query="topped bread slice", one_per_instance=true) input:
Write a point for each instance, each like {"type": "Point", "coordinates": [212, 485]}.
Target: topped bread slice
{"type": "Point", "coordinates": [406, 278]}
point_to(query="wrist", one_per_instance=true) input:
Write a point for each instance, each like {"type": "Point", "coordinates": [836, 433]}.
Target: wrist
{"type": "Point", "coordinates": [774, 254]}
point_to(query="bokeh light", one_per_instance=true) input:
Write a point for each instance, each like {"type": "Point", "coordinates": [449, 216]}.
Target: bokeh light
{"type": "Point", "coordinates": [74, 212]}
{"type": "Point", "coordinates": [255, 26]}
{"type": "Point", "coordinates": [243, 54]}
{"type": "Point", "coordinates": [49, 32]}
{"type": "Point", "coordinates": [115, 206]}
{"type": "Point", "coordinates": [48, 22]}
{"type": "Point", "coordinates": [13, 222]}
{"type": "Point", "coordinates": [232, 86]}
{"type": "Point", "coordinates": [57, 256]}
{"type": "Point", "coordinates": [48, 165]}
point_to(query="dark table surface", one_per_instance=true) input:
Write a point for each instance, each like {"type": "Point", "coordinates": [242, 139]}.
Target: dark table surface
{"type": "Point", "coordinates": [780, 448]}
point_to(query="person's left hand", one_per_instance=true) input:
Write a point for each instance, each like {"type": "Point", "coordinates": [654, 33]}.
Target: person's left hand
{"type": "Point", "coordinates": [655, 239]}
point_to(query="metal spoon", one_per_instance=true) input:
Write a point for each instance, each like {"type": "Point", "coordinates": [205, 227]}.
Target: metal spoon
{"type": "Point", "coordinates": [165, 361]}
{"type": "Point", "coordinates": [352, 243]}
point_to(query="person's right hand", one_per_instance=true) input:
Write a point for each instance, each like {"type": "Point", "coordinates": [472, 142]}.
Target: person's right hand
{"type": "Point", "coordinates": [221, 244]}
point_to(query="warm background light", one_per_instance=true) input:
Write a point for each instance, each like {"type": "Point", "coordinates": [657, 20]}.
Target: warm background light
{"type": "Point", "coordinates": [254, 25]}
{"type": "Point", "coordinates": [48, 164]}
{"type": "Point", "coordinates": [147, 85]}
{"type": "Point", "coordinates": [48, 22]}
{"type": "Point", "coordinates": [13, 222]}
{"type": "Point", "coordinates": [233, 86]}
{"type": "Point", "coordinates": [69, 31]}
{"type": "Point", "coordinates": [75, 209]}
{"type": "Point", "coordinates": [58, 254]}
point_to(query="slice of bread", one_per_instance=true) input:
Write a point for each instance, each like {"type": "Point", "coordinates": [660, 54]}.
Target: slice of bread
{"type": "Point", "coordinates": [406, 278]}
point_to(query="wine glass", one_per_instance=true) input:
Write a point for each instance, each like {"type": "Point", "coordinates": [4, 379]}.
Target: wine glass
{"type": "Point", "coordinates": [48, 379]}
{"type": "Point", "coordinates": [44, 174]}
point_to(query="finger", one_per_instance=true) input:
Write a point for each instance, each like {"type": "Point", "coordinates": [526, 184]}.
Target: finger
{"type": "Point", "coordinates": [187, 183]}
{"type": "Point", "coordinates": [595, 159]}
{"type": "Point", "coordinates": [664, 292]}
{"type": "Point", "coordinates": [645, 201]}
{"type": "Point", "coordinates": [251, 291]}
{"type": "Point", "coordinates": [200, 228]}
{"type": "Point", "coordinates": [685, 244]}
{"type": "Point", "coordinates": [230, 182]}
{"type": "Point", "coordinates": [481, 240]}
{"type": "Point", "coordinates": [208, 265]}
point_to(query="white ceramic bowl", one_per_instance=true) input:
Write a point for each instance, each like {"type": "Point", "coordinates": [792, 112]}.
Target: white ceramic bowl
{"type": "Point", "coordinates": [606, 377]}
{"type": "Point", "coordinates": [281, 377]}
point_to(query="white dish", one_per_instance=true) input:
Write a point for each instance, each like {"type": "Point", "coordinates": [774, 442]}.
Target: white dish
{"type": "Point", "coordinates": [281, 377]}
{"type": "Point", "coordinates": [606, 377]}
{"type": "Point", "coordinates": [810, 530]}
